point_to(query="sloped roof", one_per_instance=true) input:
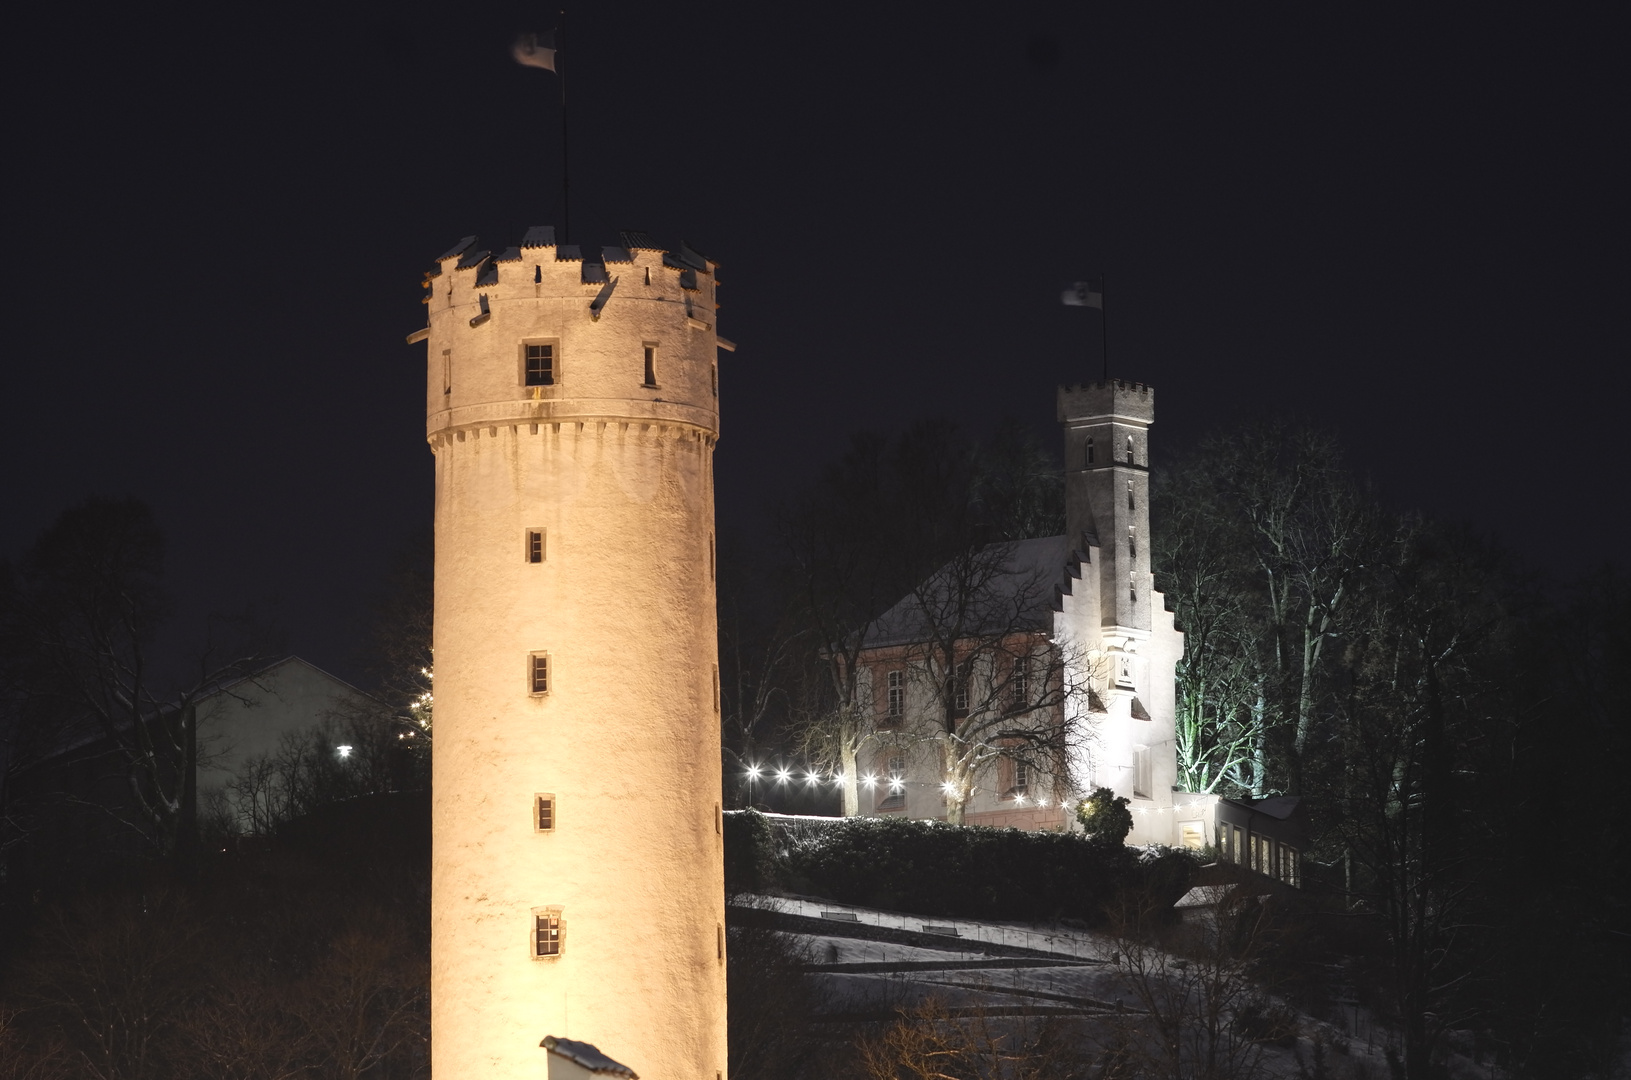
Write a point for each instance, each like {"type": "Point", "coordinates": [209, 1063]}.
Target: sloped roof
{"type": "Point", "coordinates": [587, 1055]}
{"type": "Point", "coordinates": [1011, 588]}
{"type": "Point", "coordinates": [1281, 806]}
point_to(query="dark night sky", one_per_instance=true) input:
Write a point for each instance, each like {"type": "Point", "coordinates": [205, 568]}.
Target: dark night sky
{"type": "Point", "coordinates": [1407, 225]}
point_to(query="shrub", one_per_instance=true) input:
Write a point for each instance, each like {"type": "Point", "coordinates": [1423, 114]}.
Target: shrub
{"type": "Point", "coordinates": [1104, 816]}
{"type": "Point", "coordinates": [932, 868]}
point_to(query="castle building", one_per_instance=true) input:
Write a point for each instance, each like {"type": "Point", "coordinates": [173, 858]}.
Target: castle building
{"type": "Point", "coordinates": [1082, 611]}
{"type": "Point", "coordinates": [572, 405]}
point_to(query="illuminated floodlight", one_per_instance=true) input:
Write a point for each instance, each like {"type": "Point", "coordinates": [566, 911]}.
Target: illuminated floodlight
{"type": "Point", "coordinates": [1019, 800]}
{"type": "Point", "coordinates": [838, 778]}
{"type": "Point", "coordinates": [812, 779]}
{"type": "Point", "coordinates": [949, 788]}
{"type": "Point", "coordinates": [754, 771]}
{"type": "Point", "coordinates": [343, 750]}
{"type": "Point", "coordinates": [896, 787]}
{"type": "Point", "coordinates": [782, 776]}
{"type": "Point", "coordinates": [869, 780]}
{"type": "Point", "coordinates": [1043, 801]}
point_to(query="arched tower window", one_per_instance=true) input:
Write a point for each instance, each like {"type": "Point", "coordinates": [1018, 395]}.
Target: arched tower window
{"type": "Point", "coordinates": [1087, 451]}
{"type": "Point", "coordinates": [1129, 449]}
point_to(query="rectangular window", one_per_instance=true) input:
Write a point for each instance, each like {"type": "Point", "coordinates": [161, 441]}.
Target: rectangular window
{"type": "Point", "coordinates": [1292, 872]}
{"type": "Point", "coordinates": [546, 932]}
{"type": "Point", "coordinates": [897, 693]}
{"type": "Point", "coordinates": [1141, 772]}
{"type": "Point", "coordinates": [1191, 835]}
{"type": "Point", "coordinates": [651, 366]}
{"type": "Point", "coordinates": [1022, 777]}
{"type": "Point", "coordinates": [540, 365]}
{"type": "Point", "coordinates": [957, 691]}
{"type": "Point", "coordinates": [892, 793]}
{"type": "Point", "coordinates": [543, 813]}
{"type": "Point", "coordinates": [1237, 849]}
{"type": "Point", "coordinates": [1022, 678]}
{"type": "Point", "coordinates": [538, 673]}
{"type": "Point", "coordinates": [535, 545]}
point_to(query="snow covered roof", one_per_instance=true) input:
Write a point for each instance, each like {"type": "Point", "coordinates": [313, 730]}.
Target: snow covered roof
{"type": "Point", "coordinates": [1204, 896]}
{"type": "Point", "coordinates": [1282, 806]}
{"type": "Point", "coordinates": [587, 1055]}
{"type": "Point", "coordinates": [1016, 593]}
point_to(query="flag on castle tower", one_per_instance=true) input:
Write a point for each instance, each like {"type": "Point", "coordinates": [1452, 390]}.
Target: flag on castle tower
{"type": "Point", "coordinates": [1084, 294]}
{"type": "Point", "coordinates": [530, 53]}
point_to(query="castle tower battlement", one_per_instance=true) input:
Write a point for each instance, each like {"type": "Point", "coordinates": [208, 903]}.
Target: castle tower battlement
{"type": "Point", "coordinates": [577, 837]}
{"type": "Point", "coordinates": [597, 311]}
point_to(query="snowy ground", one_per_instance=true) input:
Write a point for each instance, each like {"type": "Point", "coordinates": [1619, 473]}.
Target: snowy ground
{"type": "Point", "coordinates": [1005, 969]}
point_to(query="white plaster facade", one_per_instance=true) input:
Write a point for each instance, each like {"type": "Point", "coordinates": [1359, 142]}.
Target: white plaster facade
{"type": "Point", "coordinates": [614, 471]}
{"type": "Point", "coordinates": [250, 717]}
{"type": "Point", "coordinates": [1110, 626]}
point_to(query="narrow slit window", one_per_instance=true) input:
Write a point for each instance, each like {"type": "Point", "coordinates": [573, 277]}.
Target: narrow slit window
{"type": "Point", "coordinates": [1132, 541]}
{"type": "Point", "coordinates": [1130, 495]}
{"type": "Point", "coordinates": [713, 379]}
{"type": "Point", "coordinates": [651, 365]}
{"type": "Point", "coordinates": [546, 933]}
{"type": "Point", "coordinates": [540, 365]}
{"type": "Point", "coordinates": [447, 371]}
{"type": "Point", "coordinates": [719, 820]}
{"type": "Point", "coordinates": [712, 571]}
{"type": "Point", "coordinates": [535, 545]}
{"type": "Point", "coordinates": [1129, 449]}
{"type": "Point", "coordinates": [543, 813]}
{"type": "Point", "coordinates": [1132, 588]}
{"type": "Point", "coordinates": [721, 939]}
{"type": "Point", "coordinates": [1088, 456]}
{"type": "Point", "coordinates": [648, 275]}
{"type": "Point", "coordinates": [716, 688]}
{"type": "Point", "coordinates": [538, 673]}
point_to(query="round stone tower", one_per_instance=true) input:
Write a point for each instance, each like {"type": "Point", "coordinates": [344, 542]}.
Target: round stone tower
{"type": "Point", "coordinates": [577, 861]}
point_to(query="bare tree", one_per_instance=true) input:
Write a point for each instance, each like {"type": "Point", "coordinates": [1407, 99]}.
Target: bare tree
{"type": "Point", "coordinates": [876, 526]}
{"type": "Point", "coordinates": [1197, 1006]}
{"type": "Point", "coordinates": [976, 638]}
{"type": "Point", "coordinates": [932, 1042]}
{"type": "Point", "coordinates": [84, 617]}
{"type": "Point", "coordinates": [1425, 691]}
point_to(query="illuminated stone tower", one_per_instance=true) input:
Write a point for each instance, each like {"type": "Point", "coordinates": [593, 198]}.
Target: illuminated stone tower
{"type": "Point", "coordinates": [577, 866]}
{"type": "Point", "coordinates": [1116, 617]}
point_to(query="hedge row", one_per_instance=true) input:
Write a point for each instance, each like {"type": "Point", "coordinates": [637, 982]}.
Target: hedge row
{"type": "Point", "coordinates": [930, 868]}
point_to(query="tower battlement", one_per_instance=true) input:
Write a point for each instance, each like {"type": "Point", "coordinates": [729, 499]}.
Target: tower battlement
{"type": "Point", "coordinates": [541, 331]}
{"type": "Point", "coordinates": [1115, 397]}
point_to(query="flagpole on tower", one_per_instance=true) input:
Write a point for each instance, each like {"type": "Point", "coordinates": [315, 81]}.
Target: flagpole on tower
{"type": "Point", "coordinates": [566, 198]}
{"type": "Point", "coordinates": [1104, 331]}
{"type": "Point", "coordinates": [1091, 295]}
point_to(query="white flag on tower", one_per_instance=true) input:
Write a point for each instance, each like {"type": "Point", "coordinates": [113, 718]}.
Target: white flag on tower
{"type": "Point", "coordinates": [530, 53]}
{"type": "Point", "coordinates": [1084, 294]}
